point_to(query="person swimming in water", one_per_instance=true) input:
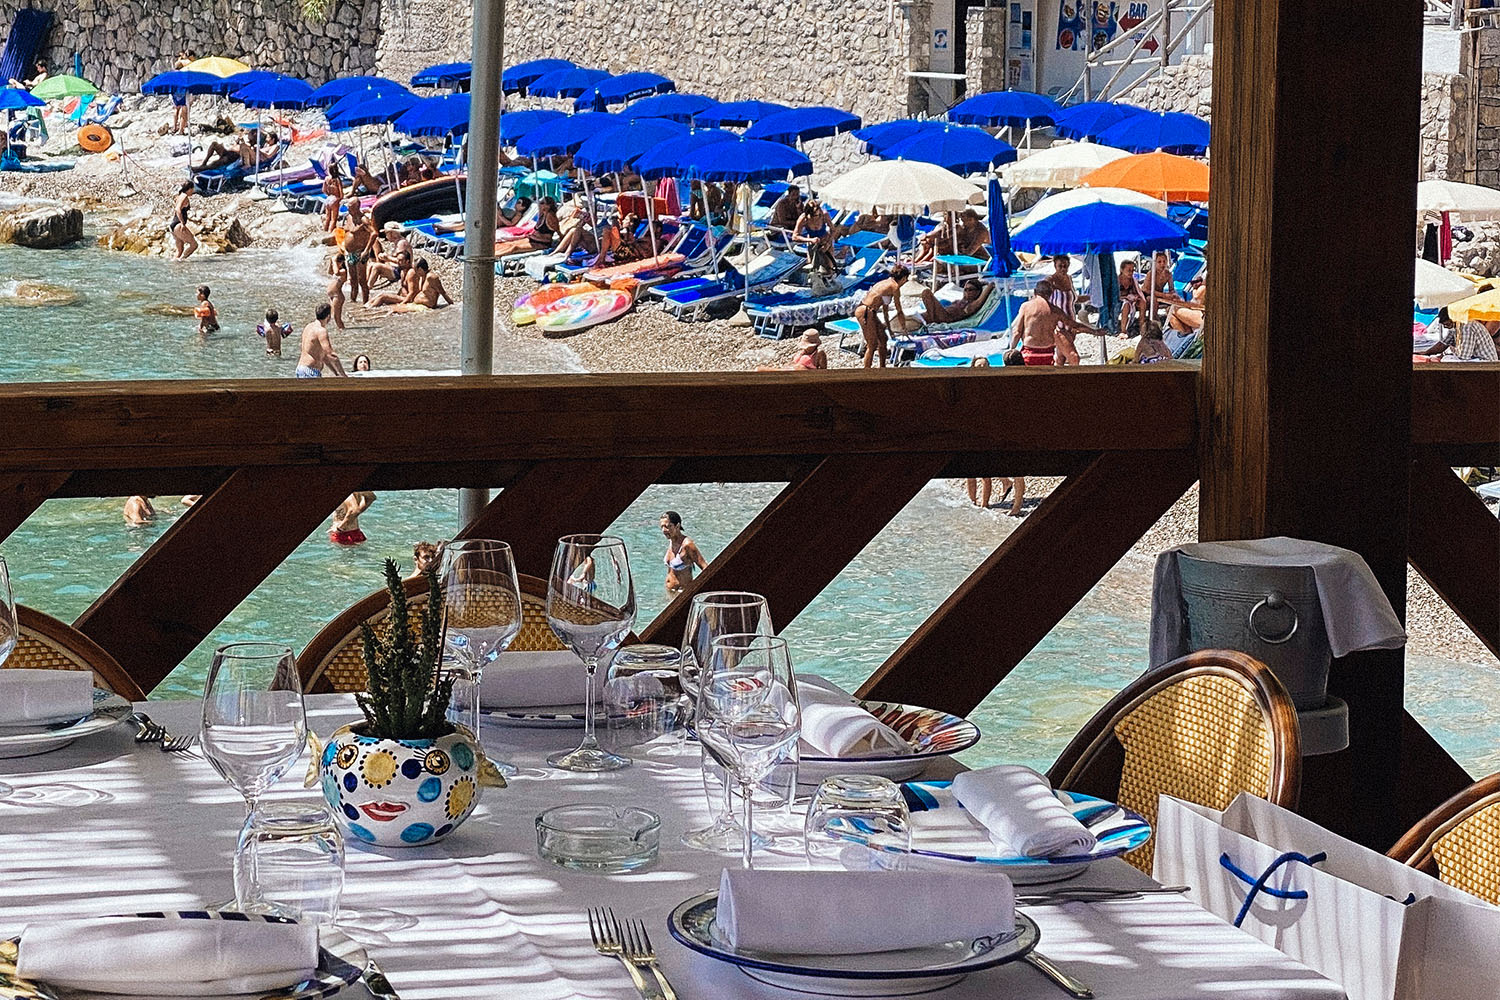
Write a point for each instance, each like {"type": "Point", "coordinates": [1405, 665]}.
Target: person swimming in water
{"type": "Point", "coordinates": [273, 330]}
{"type": "Point", "coordinates": [682, 556]}
{"type": "Point", "coordinates": [138, 510]}
{"type": "Point", "coordinates": [345, 529]}
{"type": "Point", "coordinates": [208, 316]}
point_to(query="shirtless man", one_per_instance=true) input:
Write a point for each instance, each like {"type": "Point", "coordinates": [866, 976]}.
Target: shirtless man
{"type": "Point", "coordinates": [428, 295]}
{"type": "Point", "coordinates": [874, 313]}
{"type": "Point", "coordinates": [1043, 331]}
{"type": "Point", "coordinates": [1187, 319]}
{"type": "Point", "coordinates": [787, 209]}
{"type": "Point", "coordinates": [336, 289]}
{"type": "Point", "coordinates": [973, 235]}
{"type": "Point", "coordinates": [138, 510]}
{"type": "Point", "coordinates": [317, 349]}
{"type": "Point", "coordinates": [411, 284]}
{"type": "Point", "coordinates": [244, 150]}
{"type": "Point", "coordinates": [976, 294]}
{"type": "Point", "coordinates": [359, 247]}
{"type": "Point", "coordinates": [345, 529]}
{"type": "Point", "coordinates": [364, 181]}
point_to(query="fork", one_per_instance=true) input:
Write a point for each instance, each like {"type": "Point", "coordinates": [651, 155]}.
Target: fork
{"type": "Point", "coordinates": [639, 952]}
{"type": "Point", "coordinates": [603, 928]}
{"type": "Point", "coordinates": [176, 744]}
{"type": "Point", "coordinates": [147, 731]}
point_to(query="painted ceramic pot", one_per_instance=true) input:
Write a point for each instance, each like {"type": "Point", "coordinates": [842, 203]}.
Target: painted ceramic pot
{"type": "Point", "coordinates": [401, 793]}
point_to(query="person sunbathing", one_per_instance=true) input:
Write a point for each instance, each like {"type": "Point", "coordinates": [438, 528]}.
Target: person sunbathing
{"type": "Point", "coordinates": [928, 244]}
{"type": "Point", "coordinates": [540, 237]}
{"type": "Point", "coordinates": [515, 215]}
{"type": "Point", "coordinates": [807, 356]}
{"type": "Point", "coordinates": [410, 285]}
{"type": "Point", "coordinates": [219, 155]}
{"type": "Point", "coordinates": [1187, 318]}
{"type": "Point", "coordinates": [432, 295]}
{"type": "Point", "coordinates": [364, 182]}
{"type": "Point", "coordinates": [1151, 348]}
{"type": "Point", "coordinates": [390, 269]}
{"type": "Point", "coordinates": [976, 294]}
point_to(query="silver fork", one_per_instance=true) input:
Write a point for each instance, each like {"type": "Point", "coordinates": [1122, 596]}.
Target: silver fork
{"type": "Point", "coordinates": [604, 930]}
{"type": "Point", "coordinates": [176, 744]}
{"type": "Point", "coordinates": [147, 731]}
{"type": "Point", "coordinates": [638, 950]}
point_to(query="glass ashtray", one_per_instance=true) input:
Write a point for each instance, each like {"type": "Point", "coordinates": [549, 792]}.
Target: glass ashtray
{"type": "Point", "coordinates": [601, 839]}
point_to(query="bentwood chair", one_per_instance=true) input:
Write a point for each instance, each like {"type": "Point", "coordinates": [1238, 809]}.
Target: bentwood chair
{"type": "Point", "coordinates": [1203, 728]}
{"type": "Point", "coordinates": [1459, 841]}
{"type": "Point", "coordinates": [44, 643]}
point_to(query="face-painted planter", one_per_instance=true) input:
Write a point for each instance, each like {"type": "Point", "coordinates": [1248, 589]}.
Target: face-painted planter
{"type": "Point", "coordinates": [402, 793]}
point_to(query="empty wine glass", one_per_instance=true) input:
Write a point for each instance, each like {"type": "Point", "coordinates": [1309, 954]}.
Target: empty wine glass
{"type": "Point", "coordinates": [711, 615]}
{"type": "Point", "coordinates": [482, 616]}
{"type": "Point", "coordinates": [748, 716]}
{"type": "Point", "coordinates": [254, 725]}
{"type": "Point", "coordinates": [591, 607]}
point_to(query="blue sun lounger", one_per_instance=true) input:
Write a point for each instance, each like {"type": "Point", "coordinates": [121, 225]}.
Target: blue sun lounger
{"type": "Point", "coordinates": [777, 316]}
{"type": "Point", "coordinates": [689, 299]}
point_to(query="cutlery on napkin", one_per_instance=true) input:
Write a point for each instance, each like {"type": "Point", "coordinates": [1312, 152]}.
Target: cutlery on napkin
{"type": "Point", "coordinates": [38, 697]}
{"type": "Point", "coordinates": [165, 956]}
{"type": "Point", "coordinates": [533, 679]}
{"type": "Point", "coordinates": [847, 913]}
{"type": "Point", "coordinates": [834, 724]}
{"type": "Point", "coordinates": [1017, 806]}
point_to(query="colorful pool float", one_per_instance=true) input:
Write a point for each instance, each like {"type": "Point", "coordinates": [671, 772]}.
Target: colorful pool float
{"type": "Point", "coordinates": [532, 304]}
{"type": "Point", "coordinates": [585, 309]}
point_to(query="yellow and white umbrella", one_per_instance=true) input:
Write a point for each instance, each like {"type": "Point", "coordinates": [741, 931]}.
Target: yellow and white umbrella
{"type": "Point", "coordinates": [1060, 166]}
{"type": "Point", "coordinates": [1437, 286]}
{"type": "Point", "coordinates": [217, 66]}
{"type": "Point", "coordinates": [1484, 307]}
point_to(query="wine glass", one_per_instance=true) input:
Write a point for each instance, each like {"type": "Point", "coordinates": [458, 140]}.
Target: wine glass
{"type": "Point", "coordinates": [482, 616]}
{"type": "Point", "coordinates": [748, 716]}
{"type": "Point", "coordinates": [254, 725]}
{"type": "Point", "coordinates": [10, 632]}
{"type": "Point", "coordinates": [713, 614]}
{"type": "Point", "coordinates": [591, 607]}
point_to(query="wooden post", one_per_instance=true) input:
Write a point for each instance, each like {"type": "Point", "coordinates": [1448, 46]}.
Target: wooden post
{"type": "Point", "coordinates": [21, 495]}
{"type": "Point", "coordinates": [1305, 400]}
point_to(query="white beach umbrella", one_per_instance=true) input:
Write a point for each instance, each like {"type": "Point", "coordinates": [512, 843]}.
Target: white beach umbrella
{"type": "Point", "coordinates": [900, 187]}
{"type": "Point", "coordinates": [1472, 201]}
{"type": "Point", "coordinates": [1437, 286]}
{"type": "Point", "coordinates": [1060, 166]}
{"type": "Point", "coordinates": [1061, 202]}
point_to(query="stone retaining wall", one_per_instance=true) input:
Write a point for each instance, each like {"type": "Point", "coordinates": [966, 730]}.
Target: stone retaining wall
{"type": "Point", "coordinates": [125, 42]}
{"type": "Point", "coordinates": [1445, 127]}
{"type": "Point", "coordinates": [415, 34]}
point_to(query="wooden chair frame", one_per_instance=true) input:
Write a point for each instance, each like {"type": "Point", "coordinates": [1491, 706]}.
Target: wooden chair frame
{"type": "Point", "coordinates": [1415, 848]}
{"type": "Point", "coordinates": [77, 646]}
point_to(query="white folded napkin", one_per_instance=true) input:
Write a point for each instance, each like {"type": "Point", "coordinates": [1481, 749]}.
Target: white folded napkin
{"type": "Point", "coordinates": [165, 956]}
{"type": "Point", "coordinates": [1017, 806]}
{"type": "Point", "coordinates": [37, 697]}
{"type": "Point", "coordinates": [535, 678]}
{"type": "Point", "coordinates": [850, 913]}
{"type": "Point", "coordinates": [834, 726]}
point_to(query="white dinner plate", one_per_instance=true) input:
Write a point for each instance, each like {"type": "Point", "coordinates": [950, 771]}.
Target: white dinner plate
{"type": "Point", "coordinates": [540, 716]}
{"type": "Point", "coordinates": [933, 734]}
{"type": "Point", "coordinates": [24, 741]}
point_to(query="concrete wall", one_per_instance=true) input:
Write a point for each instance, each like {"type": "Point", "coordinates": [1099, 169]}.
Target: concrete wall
{"type": "Point", "coordinates": [125, 42]}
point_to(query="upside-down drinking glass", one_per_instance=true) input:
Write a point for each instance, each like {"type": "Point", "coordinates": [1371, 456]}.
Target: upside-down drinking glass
{"type": "Point", "coordinates": [748, 716]}
{"type": "Point", "coordinates": [254, 725]}
{"type": "Point", "coordinates": [482, 616]}
{"type": "Point", "coordinates": [591, 607]}
{"type": "Point", "coordinates": [711, 615]}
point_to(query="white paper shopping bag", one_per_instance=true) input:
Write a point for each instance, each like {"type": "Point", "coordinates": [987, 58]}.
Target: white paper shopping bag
{"type": "Point", "coordinates": [1382, 930]}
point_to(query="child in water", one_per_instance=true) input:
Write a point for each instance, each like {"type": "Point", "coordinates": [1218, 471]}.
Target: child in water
{"type": "Point", "coordinates": [273, 330]}
{"type": "Point", "coordinates": [208, 316]}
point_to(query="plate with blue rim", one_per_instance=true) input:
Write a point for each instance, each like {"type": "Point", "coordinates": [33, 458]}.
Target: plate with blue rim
{"type": "Point", "coordinates": [876, 974]}
{"type": "Point", "coordinates": [539, 716]}
{"type": "Point", "coordinates": [931, 733]}
{"type": "Point", "coordinates": [341, 963]}
{"type": "Point", "coordinates": [23, 741]}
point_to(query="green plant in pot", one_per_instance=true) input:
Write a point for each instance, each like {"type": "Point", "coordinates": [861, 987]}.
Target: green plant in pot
{"type": "Point", "coordinates": [405, 776]}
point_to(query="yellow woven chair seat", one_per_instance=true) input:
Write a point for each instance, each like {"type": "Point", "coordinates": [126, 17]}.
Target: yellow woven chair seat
{"type": "Point", "coordinates": [44, 643]}
{"type": "Point", "coordinates": [1468, 855]}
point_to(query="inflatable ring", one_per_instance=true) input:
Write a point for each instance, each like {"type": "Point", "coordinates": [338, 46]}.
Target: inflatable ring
{"type": "Point", "coordinates": [95, 138]}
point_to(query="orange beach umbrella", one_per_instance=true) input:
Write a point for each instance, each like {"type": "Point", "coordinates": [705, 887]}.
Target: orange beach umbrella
{"type": "Point", "coordinates": [1160, 175]}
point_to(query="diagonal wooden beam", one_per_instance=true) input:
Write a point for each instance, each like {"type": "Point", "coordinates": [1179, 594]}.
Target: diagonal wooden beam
{"type": "Point", "coordinates": [556, 498]}
{"type": "Point", "coordinates": [201, 567]}
{"type": "Point", "coordinates": [1046, 566]}
{"type": "Point", "coordinates": [1454, 542]}
{"type": "Point", "coordinates": [834, 511]}
{"type": "Point", "coordinates": [21, 495]}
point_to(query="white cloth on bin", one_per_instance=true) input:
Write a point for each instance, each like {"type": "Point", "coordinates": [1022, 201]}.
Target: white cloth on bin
{"type": "Point", "coordinates": [1356, 613]}
{"type": "Point", "coordinates": [36, 697]}
{"type": "Point", "coordinates": [534, 679]}
{"type": "Point", "coordinates": [1017, 806]}
{"type": "Point", "coordinates": [833, 724]}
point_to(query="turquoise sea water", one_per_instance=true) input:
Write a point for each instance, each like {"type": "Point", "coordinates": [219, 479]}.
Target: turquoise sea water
{"type": "Point", "coordinates": [70, 550]}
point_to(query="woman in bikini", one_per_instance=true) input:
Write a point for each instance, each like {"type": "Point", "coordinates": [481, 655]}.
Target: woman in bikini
{"type": "Point", "coordinates": [177, 226]}
{"type": "Point", "coordinates": [814, 231]}
{"type": "Point", "coordinates": [336, 288]}
{"type": "Point", "coordinates": [540, 237]}
{"type": "Point", "coordinates": [1132, 300]}
{"type": "Point", "coordinates": [682, 556]}
{"type": "Point", "coordinates": [333, 197]}
{"type": "Point", "coordinates": [874, 313]}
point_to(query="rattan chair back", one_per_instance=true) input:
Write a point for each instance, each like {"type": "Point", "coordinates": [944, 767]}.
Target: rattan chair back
{"type": "Point", "coordinates": [45, 643]}
{"type": "Point", "coordinates": [1459, 841]}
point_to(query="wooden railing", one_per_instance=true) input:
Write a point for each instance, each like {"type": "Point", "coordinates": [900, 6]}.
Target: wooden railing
{"type": "Point", "coordinates": [571, 452]}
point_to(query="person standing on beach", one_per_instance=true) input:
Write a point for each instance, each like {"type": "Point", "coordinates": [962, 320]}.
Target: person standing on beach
{"type": "Point", "coordinates": [682, 553]}
{"type": "Point", "coordinates": [208, 316]}
{"type": "Point", "coordinates": [1043, 332]}
{"type": "Point", "coordinates": [336, 289]}
{"type": "Point", "coordinates": [874, 313]}
{"type": "Point", "coordinates": [317, 348]}
{"type": "Point", "coordinates": [177, 225]}
{"type": "Point", "coordinates": [180, 98]}
{"type": "Point", "coordinates": [333, 196]}
{"type": "Point", "coordinates": [359, 243]}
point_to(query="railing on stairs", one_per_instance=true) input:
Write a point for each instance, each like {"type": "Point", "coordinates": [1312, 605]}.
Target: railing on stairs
{"type": "Point", "coordinates": [1148, 48]}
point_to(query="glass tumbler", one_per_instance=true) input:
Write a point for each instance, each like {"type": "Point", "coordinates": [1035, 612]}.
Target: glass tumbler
{"type": "Point", "coordinates": [643, 698]}
{"type": "Point", "coordinates": [290, 862]}
{"type": "Point", "coordinates": [858, 822]}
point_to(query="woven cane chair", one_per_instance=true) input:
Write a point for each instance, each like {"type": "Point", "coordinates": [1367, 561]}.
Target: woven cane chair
{"type": "Point", "coordinates": [1203, 728]}
{"type": "Point", "coordinates": [44, 643]}
{"type": "Point", "coordinates": [1459, 841]}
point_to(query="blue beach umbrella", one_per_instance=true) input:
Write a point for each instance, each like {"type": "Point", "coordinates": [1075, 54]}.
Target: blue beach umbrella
{"type": "Point", "coordinates": [669, 158]}
{"type": "Point", "coordinates": [444, 75]}
{"type": "Point", "coordinates": [1013, 108]}
{"type": "Point", "coordinates": [371, 107]}
{"type": "Point", "coordinates": [740, 113]}
{"type": "Point", "coordinates": [960, 148]}
{"type": "Point", "coordinates": [746, 161]}
{"type": "Point", "coordinates": [436, 116]}
{"type": "Point", "coordinates": [558, 138]}
{"type": "Point", "coordinates": [16, 99]}
{"type": "Point", "coordinates": [676, 107]}
{"type": "Point", "coordinates": [1168, 132]}
{"type": "Point", "coordinates": [181, 81]}
{"type": "Point", "coordinates": [622, 88]}
{"type": "Point", "coordinates": [518, 77]}
{"type": "Point", "coordinates": [802, 124]}
{"type": "Point", "coordinates": [878, 137]}
{"type": "Point", "coordinates": [1101, 227]}
{"type": "Point", "coordinates": [515, 124]}
{"type": "Point", "coordinates": [1086, 121]}
{"type": "Point", "coordinates": [278, 92]}
{"type": "Point", "coordinates": [334, 90]}
{"type": "Point", "coordinates": [1002, 262]}
{"type": "Point", "coordinates": [615, 149]}
{"type": "Point", "coordinates": [565, 82]}
{"type": "Point", "coordinates": [238, 81]}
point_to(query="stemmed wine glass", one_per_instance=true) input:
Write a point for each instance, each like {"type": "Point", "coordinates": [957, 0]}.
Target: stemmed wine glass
{"type": "Point", "coordinates": [748, 716]}
{"type": "Point", "coordinates": [254, 724]}
{"type": "Point", "coordinates": [10, 633]}
{"type": "Point", "coordinates": [712, 615]}
{"type": "Point", "coordinates": [482, 616]}
{"type": "Point", "coordinates": [591, 607]}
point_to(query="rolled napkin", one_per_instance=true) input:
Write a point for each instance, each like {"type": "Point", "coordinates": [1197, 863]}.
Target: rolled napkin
{"type": "Point", "coordinates": [852, 913]}
{"type": "Point", "coordinates": [1017, 806]}
{"type": "Point", "coordinates": [37, 697]}
{"type": "Point", "coordinates": [165, 956]}
{"type": "Point", "coordinates": [535, 678]}
{"type": "Point", "coordinates": [835, 726]}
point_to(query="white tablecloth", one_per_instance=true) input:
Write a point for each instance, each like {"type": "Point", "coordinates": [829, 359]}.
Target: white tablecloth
{"type": "Point", "coordinates": [106, 826]}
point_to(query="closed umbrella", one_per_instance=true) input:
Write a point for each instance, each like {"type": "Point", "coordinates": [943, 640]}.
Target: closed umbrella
{"type": "Point", "coordinates": [960, 148]}
{"type": "Point", "coordinates": [518, 77]}
{"type": "Point", "coordinates": [1002, 262]}
{"type": "Point", "coordinates": [1060, 166]}
{"type": "Point", "coordinates": [334, 90]}
{"type": "Point", "coordinates": [565, 135]}
{"type": "Point", "coordinates": [565, 82]}
{"type": "Point", "coordinates": [621, 89]}
{"type": "Point", "coordinates": [1161, 175]}
{"type": "Point", "coordinates": [1078, 197]}
{"type": "Point", "coordinates": [444, 75]}
{"type": "Point", "coordinates": [220, 66]}
{"type": "Point", "coordinates": [802, 124]}
{"type": "Point", "coordinates": [515, 124]}
{"type": "Point", "coordinates": [1436, 286]}
{"type": "Point", "coordinates": [900, 187]}
{"type": "Point", "coordinates": [1087, 120]}
{"type": "Point", "coordinates": [739, 113]}
{"type": "Point", "coordinates": [1168, 132]}
{"type": "Point", "coordinates": [56, 88]}
{"type": "Point", "coordinates": [676, 107]}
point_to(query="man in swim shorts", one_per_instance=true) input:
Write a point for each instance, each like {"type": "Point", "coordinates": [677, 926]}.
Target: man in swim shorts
{"type": "Point", "coordinates": [1043, 332]}
{"type": "Point", "coordinates": [317, 348]}
{"type": "Point", "coordinates": [345, 529]}
{"type": "Point", "coordinates": [359, 248]}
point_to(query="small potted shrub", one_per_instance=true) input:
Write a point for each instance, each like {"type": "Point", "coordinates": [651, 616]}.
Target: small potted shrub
{"type": "Point", "coordinates": [405, 776]}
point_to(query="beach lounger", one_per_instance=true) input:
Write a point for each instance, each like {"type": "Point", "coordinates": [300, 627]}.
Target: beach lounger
{"type": "Point", "coordinates": [777, 316]}
{"type": "Point", "coordinates": [690, 299]}
{"type": "Point", "coordinates": [962, 356]}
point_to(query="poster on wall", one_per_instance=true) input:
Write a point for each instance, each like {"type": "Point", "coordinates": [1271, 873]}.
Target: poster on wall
{"type": "Point", "coordinates": [1090, 25]}
{"type": "Point", "coordinates": [1020, 57]}
{"type": "Point", "coordinates": [1106, 23]}
{"type": "Point", "coordinates": [1136, 12]}
{"type": "Point", "coordinates": [1070, 25]}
